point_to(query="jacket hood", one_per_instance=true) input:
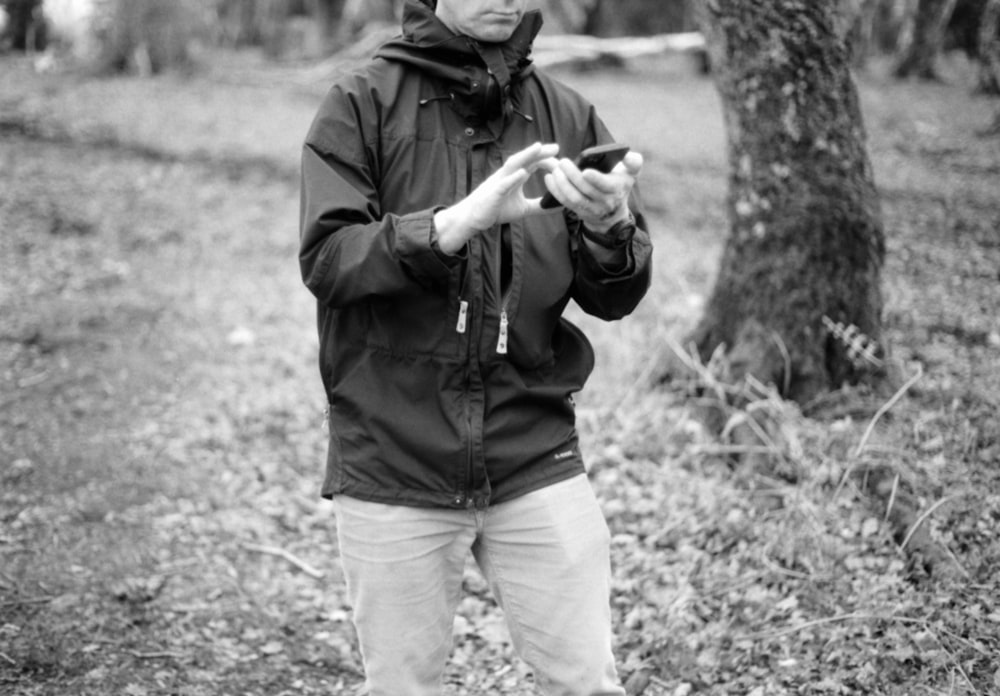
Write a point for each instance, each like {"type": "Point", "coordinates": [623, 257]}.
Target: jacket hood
{"type": "Point", "coordinates": [477, 76]}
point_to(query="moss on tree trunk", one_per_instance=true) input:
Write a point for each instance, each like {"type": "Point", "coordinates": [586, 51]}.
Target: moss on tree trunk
{"type": "Point", "coordinates": [806, 239]}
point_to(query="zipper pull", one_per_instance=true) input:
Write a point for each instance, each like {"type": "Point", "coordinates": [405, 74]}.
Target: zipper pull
{"type": "Point", "coordinates": [502, 342]}
{"type": "Point", "coordinates": [463, 315]}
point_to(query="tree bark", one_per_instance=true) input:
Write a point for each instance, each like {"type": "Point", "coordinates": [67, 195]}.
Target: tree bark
{"type": "Point", "coordinates": [806, 243]}
{"type": "Point", "coordinates": [928, 36]}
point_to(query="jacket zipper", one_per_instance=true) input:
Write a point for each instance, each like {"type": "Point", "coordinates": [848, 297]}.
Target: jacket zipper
{"type": "Point", "coordinates": [463, 325]}
{"type": "Point", "coordinates": [506, 292]}
{"type": "Point", "coordinates": [502, 340]}
{"type": "Point", "coordinates": [463, 316]}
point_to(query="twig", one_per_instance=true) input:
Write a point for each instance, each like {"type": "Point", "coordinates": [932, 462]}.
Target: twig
{"type": "Point", "coordinates": [291, 558]}
{"type": "Point", "coordinates": [730, 449]}
{"type": "Point", "coordinates": [154, 655]}
{"type": "Point", "coordinates": [764, 436]}
{"type": "Point", "coordinates": [920, 520]}
{"type": "Point", "coordinates": [8, 579]}
{"type": "Point", "coordinates": [954, 559]}
{"type": "Point", "coordinates": [807, 624]}
{"type": "Point", "coordinates": [958, 639]}
{"type": "Point", "coordinates": [787, 382]}
{"type": "Point", "coordinates": [7, 658]}
{"type": "Point", "coordinates": [715, 591]}
{"type": "Point", "coordinates": [885, 408]}
{"type": "Point", "coordinates": [831, 619]}
{"type": "Point", "coordinates": [915, 525]}
{"type": "Point", "coordinates": [778, 568]}
{"type": "Point", "coordinates": [21, 602]}
{"type": "Point", "coordinates": [844, 478]}
{"type": "Point", "coordinates": [692, 362]}
{"type": "Point", "coordinates": [892, 497]}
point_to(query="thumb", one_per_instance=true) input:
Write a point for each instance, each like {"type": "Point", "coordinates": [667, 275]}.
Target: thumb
{"type": "Point", "coordinates": [633, 162]}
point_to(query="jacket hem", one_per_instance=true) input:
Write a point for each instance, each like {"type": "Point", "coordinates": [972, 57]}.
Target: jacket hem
{"type": "Point", "coordinates": [415, 497]}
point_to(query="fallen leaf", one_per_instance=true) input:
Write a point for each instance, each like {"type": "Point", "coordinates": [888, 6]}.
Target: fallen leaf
{"type": "Point", "coordinates": [272, 648]}
{"type": "Point", "coordinates": [869, 527]}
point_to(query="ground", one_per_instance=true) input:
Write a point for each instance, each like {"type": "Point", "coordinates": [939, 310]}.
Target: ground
{"type": "Point", "coordinates": [162, 422]}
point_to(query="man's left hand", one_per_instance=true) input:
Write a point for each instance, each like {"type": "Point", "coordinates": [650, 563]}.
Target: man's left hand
{"type": "Point", "coordinates": [599, 200]}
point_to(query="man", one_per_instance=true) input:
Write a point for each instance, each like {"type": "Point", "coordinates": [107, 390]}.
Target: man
{"type": "Point", "coordinates": [448, 369]}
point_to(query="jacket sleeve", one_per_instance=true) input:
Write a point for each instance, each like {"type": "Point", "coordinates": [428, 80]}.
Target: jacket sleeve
{"type": "Point", "coordinates": [611, 293]}
{"type": "Point", "coordinates": [350, 249]}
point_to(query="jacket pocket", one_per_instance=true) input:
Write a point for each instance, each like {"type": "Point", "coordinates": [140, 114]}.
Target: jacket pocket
{"type": "Point", "coordinates": [418, 324]}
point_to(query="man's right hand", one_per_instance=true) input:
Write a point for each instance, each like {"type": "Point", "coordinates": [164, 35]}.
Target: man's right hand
{"type": "Point", "coordinates": [497, 200]}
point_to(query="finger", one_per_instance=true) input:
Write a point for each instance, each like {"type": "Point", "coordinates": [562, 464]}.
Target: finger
{"type": "Point", "coordinates": [569, 173]}
{"type": "Point", "coordinates": [512, 181]}
{"type": "Point", "coordinates": [549, 164]}
{"type": "Point", "coordinates": [567, 193]}
{"type": "Point", "coordinates": [604, 184]}
{"type": "Point", "coordinates": [560, 187]}
{"type": "Point", "coordinates": [531, 156]}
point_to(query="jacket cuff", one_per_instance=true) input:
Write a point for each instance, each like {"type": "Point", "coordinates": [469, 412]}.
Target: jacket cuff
{"type": "Point", "coordinates": [416, 250]}
{"type": "Point", "coordinates": [622, 266]}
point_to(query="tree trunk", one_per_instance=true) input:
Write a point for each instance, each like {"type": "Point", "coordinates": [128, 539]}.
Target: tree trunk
{"type": "Point", "coordinates": [569, 16]}
{"type": "Point", "coordinates": [806, 244]}
{"type": "Point", "coordinates": [359, 14]}
{"type": "Point", "coordinates": [327, 14]}
{"type": "Point", "coordinates": [876, 27]}
{"type": "Point", "coordinates": [989, 49]}
{"type": "Point", "coordinates": [928, 37]}
{"type": "Point", "coordinates": [26, 26]}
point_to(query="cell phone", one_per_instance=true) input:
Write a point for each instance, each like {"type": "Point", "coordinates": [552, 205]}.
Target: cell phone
{"type": "Point", "coordinates": [603, 158]}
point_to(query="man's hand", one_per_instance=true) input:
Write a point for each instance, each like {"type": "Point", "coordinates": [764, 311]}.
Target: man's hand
{"type": "Point", "coordinates": [499, 199]}
{"type": "Point", "coordinates": [599, 200]}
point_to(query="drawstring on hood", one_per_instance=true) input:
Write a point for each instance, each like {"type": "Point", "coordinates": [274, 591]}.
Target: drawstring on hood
{"type": "Point", "coordinates": [479, 77]}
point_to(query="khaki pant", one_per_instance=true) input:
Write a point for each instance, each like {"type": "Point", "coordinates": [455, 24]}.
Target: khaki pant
{"type": "Point", "coordinates": [545, 556]}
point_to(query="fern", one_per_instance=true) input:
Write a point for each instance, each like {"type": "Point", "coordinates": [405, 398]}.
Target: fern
{"type": "Point", "coordinates": [862, 350]}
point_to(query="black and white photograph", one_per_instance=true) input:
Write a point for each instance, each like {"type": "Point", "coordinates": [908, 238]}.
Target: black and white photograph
{"type": "Point", "coordinates": [499, 348]}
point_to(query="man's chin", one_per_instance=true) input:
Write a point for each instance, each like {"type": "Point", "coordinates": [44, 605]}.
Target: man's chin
{"type": "Point", "coordinates": [498, 29]}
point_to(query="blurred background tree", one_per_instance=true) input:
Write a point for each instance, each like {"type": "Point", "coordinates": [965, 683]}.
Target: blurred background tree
{"type": "Point", "coordinates": [147, 36]}
{"type": "Point", "coordinates": [930, 23]}
{"type": "Point", "coordinates": [24, 28]}
{"type": "Point", "coordinates": [988, 46]}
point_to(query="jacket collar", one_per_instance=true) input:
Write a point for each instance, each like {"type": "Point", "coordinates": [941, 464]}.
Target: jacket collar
{"type": "Point", "coordinates": [478, 76]}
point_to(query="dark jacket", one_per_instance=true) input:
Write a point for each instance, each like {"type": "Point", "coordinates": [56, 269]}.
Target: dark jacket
{"type": "Point", "coordinates": [429, 404]}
